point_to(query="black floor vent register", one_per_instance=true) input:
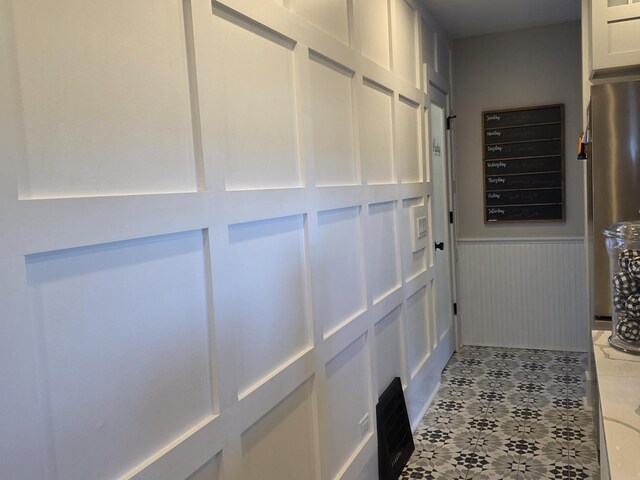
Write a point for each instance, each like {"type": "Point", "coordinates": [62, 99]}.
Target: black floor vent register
{"type": "Point", "coordinates": [395, 442]}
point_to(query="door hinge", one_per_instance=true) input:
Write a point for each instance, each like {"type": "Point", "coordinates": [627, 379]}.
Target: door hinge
{"type": "Point", "coordinates": [449, 118]}
{"type": "Point", "coordinates": [450, 217]}
{"type": "Point", "coordinates": [455, 309]}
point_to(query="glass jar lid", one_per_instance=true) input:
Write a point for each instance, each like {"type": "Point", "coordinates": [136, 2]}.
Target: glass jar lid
{"type": "Point", "coordinates": [623, 231]}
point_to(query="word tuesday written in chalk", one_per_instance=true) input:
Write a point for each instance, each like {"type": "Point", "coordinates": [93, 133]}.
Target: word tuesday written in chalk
{"type": "Point", "coordinates": [497, 180]}
{"type": "Point", "coordinates": [494, 149]}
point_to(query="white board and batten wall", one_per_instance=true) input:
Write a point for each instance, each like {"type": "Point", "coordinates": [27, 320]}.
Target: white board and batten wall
{"type": "Point", "coordinates": [206, 269]}
{"type": "Point", "coordinates": [520, 284]}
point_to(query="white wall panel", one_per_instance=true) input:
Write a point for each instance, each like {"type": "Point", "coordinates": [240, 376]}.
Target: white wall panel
{"type": "Point", "coordinates": [256, 132]}
{"type": "Point", "coordinates": [443, 321]}
{"type": "Point", "coordinates": [370, 469]}
{"type": "Point", "coordinates": [417, 330]}
{"type": "Point", "coordinates": [328, 15]}
{"type": "Point", "coordinates": [381, 241]}
{"type": "Point", "coordinates": [376, 134]}
{"type": "Point", "coordinates": [372, 18]}
{"type": "Point", "coordinates": [332, 120]}
{"type": "Point", "coordinates": [388, 349]}
{"type": "Point", "coordinates": [348, 386]}
{"type": "Point", "coordinates": [426, 119]}
{"type": "Point", "coordinates": [433, 325]}
{"type": "Point", "coordinates": [443, 55]}
{"type": "Point", "coordinates": [281, 443]}
{"type": "Point", "coordinates": [428, 44]}
{"type": "Point", "coordinates": [125, 346]}
{"type": "Point", "coordinates": [268, 301]}
{"type": "Point", "coordinates": [405, 50]}
{"type": "Point", "coordinates": [409, 142]}
{"type": "Point", "coordinates": [414, 263]}
{"type": "Point", "coordinates": [277, 136]}
{"type": "Point", "coordinates": [430, 251]}
{"type": "Point", "coordinates": [338, 274]}
{"type": "Point", "coordinates": [105, 95]}
{"type": "Point", "coordinates": [21, 413]}
{"type": "Point", "coordinates": [523, 294]}
{"type": "Point", "coordinates": [209, 471]}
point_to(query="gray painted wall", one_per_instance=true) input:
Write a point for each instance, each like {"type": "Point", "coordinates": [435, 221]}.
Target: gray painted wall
{"type": "Point", "coordinates": [533, 66]}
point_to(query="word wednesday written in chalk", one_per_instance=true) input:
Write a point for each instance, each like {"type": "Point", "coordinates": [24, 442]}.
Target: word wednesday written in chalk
{"type": "Point", "coordinates": [523, 161]}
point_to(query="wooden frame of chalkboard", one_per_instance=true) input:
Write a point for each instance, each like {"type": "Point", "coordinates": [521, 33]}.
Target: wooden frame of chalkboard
{"type": "Point", "coordinates": [523, 164]}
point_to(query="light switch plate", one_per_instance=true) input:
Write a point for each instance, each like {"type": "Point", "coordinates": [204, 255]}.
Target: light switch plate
{"type": "Point", "coordinates": [419, 228]}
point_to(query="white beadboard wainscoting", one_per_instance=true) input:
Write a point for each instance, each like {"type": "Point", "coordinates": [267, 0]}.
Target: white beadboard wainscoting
{"type": "Point", "coordinates": [527, 293]}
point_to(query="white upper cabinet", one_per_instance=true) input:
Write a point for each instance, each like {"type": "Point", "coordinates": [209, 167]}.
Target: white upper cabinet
{"type": "Point", "coordinates": [615, 36]}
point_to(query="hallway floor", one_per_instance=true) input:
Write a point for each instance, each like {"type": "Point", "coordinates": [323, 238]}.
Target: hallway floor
{"type": "Point", "coordinates": [505, 413]}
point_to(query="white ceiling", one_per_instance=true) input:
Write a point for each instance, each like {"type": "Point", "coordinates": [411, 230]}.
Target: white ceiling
{"type": "Point", "coordinates": [466, 18]}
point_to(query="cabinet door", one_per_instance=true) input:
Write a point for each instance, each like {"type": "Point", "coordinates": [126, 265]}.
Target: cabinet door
{"type": "Point", "coordinates": [616, 34]}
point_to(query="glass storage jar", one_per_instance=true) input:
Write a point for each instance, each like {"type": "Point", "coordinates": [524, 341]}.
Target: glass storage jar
{"type": "Point", "coordinates": [623, 246]}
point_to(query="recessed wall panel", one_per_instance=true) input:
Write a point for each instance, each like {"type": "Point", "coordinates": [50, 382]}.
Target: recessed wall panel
{"type": "Point", "coordinates": [254, 100]}
{"type": "Point", "coordinates": [443, 56]}
{"type": "Point", "coordinates": [426, 118]}
{"type": "Point", "coordinates": [209, 471]}
{"type": "Point", "coordinates": [414, 262]}
{"type": "Point", "coordinates": [408, 137]}
{"type": "Point", "coordinates": [431, 301]}
{"type": "Point", "coordinates": [417, 330]}
{"type": "Point", "coordinates": [328, 15]}
{"type": "Point", "coordinates": [105, 96]}
{"type": "Point", "coordinates": [337, 274]}
{"type": "Point", "coordinates": [388, 349]}
{"type": "Point", "coordinates": [281, 443]}
{"type": "Point", "coordinates": [381, 240]}
{"type": "Point", "coordinates": [332, 120]}
{"type": "Point", "coordinates": [347, 386]}
{"type": "Point", "coordinates": [430, 251]}
{"type": "Point", "coordinates": [428, 44]}
{"type": "Point", "coordinates": [405, 52]}
{"type": "Point", "coordinates": [376, 134]}
{"type": "Point", "coordinates": [267, 298]}
{"type": "Point", "coordinates": [125, 346]}
{"type": "Point", "coordinates": [373, 18]}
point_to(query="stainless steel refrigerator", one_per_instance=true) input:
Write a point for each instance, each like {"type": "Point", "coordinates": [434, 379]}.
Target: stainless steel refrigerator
{"type": "Point", "coordinates": [615, 172]}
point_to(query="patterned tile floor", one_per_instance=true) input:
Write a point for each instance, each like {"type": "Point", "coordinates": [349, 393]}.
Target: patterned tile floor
{"type": "Point", "coordinates": [504, 413]}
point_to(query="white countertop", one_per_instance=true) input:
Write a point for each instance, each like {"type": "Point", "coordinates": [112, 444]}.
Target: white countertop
{"type": "Point", "coordinates": [618, 376]}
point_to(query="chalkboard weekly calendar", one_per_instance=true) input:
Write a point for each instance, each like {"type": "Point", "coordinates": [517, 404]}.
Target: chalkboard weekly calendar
{"type": "Point", "coordinates": [523, 157]}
